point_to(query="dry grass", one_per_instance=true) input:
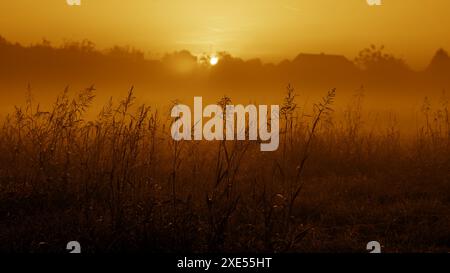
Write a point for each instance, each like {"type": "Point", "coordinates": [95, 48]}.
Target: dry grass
{"type": "Point", "coordinates": [120, 183]}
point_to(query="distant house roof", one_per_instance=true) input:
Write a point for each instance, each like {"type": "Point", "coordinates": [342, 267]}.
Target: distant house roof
{"type": "Point", "coordinates": [323, 61]}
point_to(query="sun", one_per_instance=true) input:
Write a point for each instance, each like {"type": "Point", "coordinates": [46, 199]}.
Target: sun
{"type": "Point", "coordinates": [213, 60]}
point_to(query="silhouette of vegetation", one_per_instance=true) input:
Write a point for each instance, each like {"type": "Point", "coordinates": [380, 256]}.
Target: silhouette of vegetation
{"type": "Point", "coordinates": [119, 183]}
{"type": "Point", "coordinates": [181, 73]}
{"type": "Point", "coordinates": [374, 59]}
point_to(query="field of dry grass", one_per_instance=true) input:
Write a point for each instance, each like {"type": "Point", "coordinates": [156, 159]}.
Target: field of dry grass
{"type": "Point", "coordinates": [119, 183]}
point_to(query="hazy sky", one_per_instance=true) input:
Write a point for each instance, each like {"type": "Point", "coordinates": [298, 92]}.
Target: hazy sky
{"type": "Point", "coordinates": [270, 29]}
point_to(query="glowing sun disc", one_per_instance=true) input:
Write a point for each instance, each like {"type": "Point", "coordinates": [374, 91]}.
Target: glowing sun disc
{"type": "Point", "coordinates": [214, 60]}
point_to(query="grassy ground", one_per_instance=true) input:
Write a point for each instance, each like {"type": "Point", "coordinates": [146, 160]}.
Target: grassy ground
{"type": "Point", "coordinates": [120, 183]}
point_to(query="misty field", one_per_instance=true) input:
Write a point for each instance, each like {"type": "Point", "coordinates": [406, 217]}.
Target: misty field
{"type": "Point", "coordinates": [120, 183]}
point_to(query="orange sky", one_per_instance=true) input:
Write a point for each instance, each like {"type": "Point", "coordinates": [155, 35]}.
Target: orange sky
{"type": "Point", "coordinates": [269, 29]}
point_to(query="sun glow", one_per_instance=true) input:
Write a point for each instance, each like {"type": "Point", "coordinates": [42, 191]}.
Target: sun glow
{"type": "Point", "coordinates": [213, 60]}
